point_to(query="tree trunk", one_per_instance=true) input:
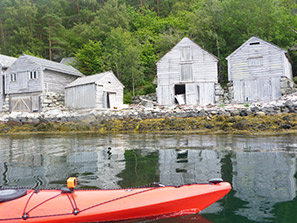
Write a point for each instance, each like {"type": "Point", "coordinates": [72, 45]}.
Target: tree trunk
{"type": "Point", "coordinates": [158, 7]}
{"type": "Point", "coordinates": [50, 42]}
{"type": "Point", "coordinates": [78, 10]}
{"type": "Point", "coordinates": [218, 46]}
{"type": "Point", "coordinates": [133, 83]}
{"type": "Point", "coordinates": [2, 33]}
{"type": "Point", "coordinates": [141, 3]}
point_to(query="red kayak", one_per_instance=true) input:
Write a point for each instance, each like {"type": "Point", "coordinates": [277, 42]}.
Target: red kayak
{"type": "Point", "coordinates": [70, 205]}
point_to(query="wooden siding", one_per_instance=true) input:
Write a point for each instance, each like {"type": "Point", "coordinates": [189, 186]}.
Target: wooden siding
{"type": "Point", "coordinates": [255, 69]}
{"type": "Point", "coordinates": [24, 102]}
{"type": "Point", "coordinates": [21, 68]}
{"type": "Point", "coordinates": [256, 90]}
{"type": "Point", "coordinates": [254, 61]}
{"type": "Point", "coordinates": [165, 94]}
{"type": "Point", "coordinates": [55, 81]}
{"type": "Point", "coordinates": [195, 93]}
{"type": "Point", "coordinates": [187, 64]}
{"type": "Point", "coordinates": [82, 96]}
{"type": "Point", "coordinates": [204, 65]}
{"type": "Point", "coordinates": [106, 91]}
{"type": "Point", "coordinates": [288, 72]}
{"type": "Point", "coordinates": [263, 60]}
{"type": "Point", "coordinates": [1, 83]}
{"type": "Point", "coordinates": [110, 84]}
{"type": "Point", "coordinates": [1, 102]}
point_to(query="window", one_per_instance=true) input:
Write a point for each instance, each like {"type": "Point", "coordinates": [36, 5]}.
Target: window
{"type": "Point", "coordinates": [255, 43]}
{"type": "Point", "coordinates": [13, 77]}
{"type": "Point", "coordinates": [32, 75]}
{"type": "Point", "coordinates": [255, 61]}
{"type": "Point", "coordinates": [186, 72]}
{"type": "Point", "coordinates": [186, 53]}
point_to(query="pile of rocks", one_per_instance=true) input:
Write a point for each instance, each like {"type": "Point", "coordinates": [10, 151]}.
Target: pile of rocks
{"type": "Point", "coordinates": [143, 99]}
{"type": "Point", "coordinates": [286, 104]}
{"type": "Point", "coordinates": [52, 101]}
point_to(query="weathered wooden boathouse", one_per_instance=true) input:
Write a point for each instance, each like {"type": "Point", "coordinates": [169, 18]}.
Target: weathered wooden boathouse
{"type": "Point", "coordinates": [187, 74]}
{"type": "Point", "coordinates": [256, 69]}
{"type": "Point", "coordinates": [29, 79]}
{"type": "Point", "coordinates": [5, 63]}
{"type": "Point", "coordinates": [102, 90]}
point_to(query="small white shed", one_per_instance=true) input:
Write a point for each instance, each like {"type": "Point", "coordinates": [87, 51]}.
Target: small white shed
{"type": "Point", "coordinates": [187, 74]}
{"type": "Point", "coordinates": [256, 68]}
{"type": "Point", "coordinates": [102, 90]}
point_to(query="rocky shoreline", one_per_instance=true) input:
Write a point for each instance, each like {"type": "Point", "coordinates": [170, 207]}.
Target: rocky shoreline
{"type": "Point", "coordinates": [277, 115]}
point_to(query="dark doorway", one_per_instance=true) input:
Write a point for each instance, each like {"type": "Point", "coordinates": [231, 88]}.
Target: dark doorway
{"type": "Point", "coordinates": [180, 94]}
{"type": "Point", "coordinates": [108, 101]}
{"type": "Point", "coordinates": [180, 89]}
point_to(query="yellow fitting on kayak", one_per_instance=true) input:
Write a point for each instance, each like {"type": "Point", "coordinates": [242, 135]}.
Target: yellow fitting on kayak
{"type": "Point", "coordinates": [71, 182]}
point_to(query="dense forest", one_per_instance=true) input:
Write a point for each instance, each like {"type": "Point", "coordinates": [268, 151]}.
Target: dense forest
{"type": "Point", "coordinates": [129, 36]}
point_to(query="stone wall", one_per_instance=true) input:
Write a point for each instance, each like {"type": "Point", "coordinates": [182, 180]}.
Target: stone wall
{"type": "Point", "coordinates": [52, 101]}
{"type": "Point", "coordinates": [287, 86]}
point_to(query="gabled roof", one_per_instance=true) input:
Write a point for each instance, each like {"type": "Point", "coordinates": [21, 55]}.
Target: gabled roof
{"type": "Point", "coordinates": [187, 39]}
{"type": "Point", "coordinates": [51, 65]}
{"type": "Point", "coordinates": [95, 78]}
{"type": "Point", "coordinates": [252, 39]}
{"type": "Point", "coordinates": [6, 61]}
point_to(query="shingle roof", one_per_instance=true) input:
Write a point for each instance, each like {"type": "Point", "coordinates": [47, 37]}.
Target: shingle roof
{"type": "Point", "coordinates": [95, 78]}
{"type": "Point", "coordinates": [6, 61]}
{"type": "Point", "coordinates": [51, 65]}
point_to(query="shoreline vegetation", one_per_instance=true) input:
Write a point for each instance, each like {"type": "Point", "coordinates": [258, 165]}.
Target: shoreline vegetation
{"type": "Point", "coordinates": [217, 124]}
{"type": "Point", "coordinates": [275, 117]}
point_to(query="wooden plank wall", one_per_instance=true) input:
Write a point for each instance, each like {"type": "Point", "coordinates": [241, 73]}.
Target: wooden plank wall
{"type": "Point", "coordinates": [25, 102]}
{"type": "Point", "coordinates": [110, 84]}
{"type": "Point", "coordinates": [22, 84]}
{"type": "Point", "coordinates": [255, 69]}
{"type": "Point", "coordinates": [288, 71]}
{"type": "Point", "coordinates": [55, 81]}
{"type": "Point", "coordinates": [256, 61]}
{"type": "Point", "coordinates": [256, 90]}
{"type": "Point", "coordinates": [1, 102]}
{"type": "Point", "coordinates": [82, 96]}
{"type": "Point", "coordinates": [204, 68]}
{"type": "Point", "coordinates": [94, 95]}
{"type": "Point", "coordinates": [1, 90]}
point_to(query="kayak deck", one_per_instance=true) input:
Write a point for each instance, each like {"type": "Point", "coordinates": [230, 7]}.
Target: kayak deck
{"type": "Point", "coordinates": [111, 205]}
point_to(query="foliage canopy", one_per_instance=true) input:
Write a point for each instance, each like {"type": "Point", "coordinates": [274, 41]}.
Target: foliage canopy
{"type": "Point", "coordinates": [129, 36]}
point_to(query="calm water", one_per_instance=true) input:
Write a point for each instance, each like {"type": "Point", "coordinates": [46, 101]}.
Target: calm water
{"type": "Point", "coordinates": [262, 170]}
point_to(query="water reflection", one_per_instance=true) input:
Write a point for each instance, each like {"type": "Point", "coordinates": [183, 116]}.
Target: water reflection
{"type": "Point", "coordinates": [263, 179]}
{"type": "Point", "coordinates": [261, 169]}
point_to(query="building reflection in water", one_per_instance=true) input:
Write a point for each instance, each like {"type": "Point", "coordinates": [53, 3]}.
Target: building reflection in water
{"type": "Point", "coordinates": [259, 179]}
{"type": "Point", "coordinates": [263, 179]}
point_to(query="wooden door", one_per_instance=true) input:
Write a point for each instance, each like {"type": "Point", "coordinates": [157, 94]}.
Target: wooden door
{"type": "Point", "coordinates": [35, 103]}
{"type": "Point", "coordinates": [191, 94]}
{"type": "Point", "coordinates": [112, 100]}
{"type": "Point", "coordinates": [20, 104]}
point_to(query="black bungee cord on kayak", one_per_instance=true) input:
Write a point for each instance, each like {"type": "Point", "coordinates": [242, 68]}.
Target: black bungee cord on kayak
{"type": "Point", "coordinates": [71, 183]}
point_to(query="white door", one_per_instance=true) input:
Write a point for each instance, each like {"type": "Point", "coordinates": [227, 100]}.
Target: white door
{"type": "Point", "coordinates": [112, 100]}
{"type": "Point", "coordinates": [191, 94]}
